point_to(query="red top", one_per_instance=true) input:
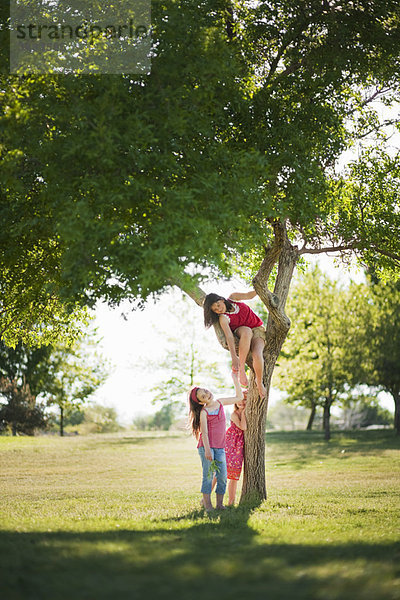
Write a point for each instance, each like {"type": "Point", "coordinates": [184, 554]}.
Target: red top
{"type": "Point", "coordinates": [216, 425]}
{"type": "Point", "coordinates": [243, 315]}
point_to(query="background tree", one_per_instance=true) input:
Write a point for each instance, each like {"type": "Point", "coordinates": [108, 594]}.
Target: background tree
{"type": "Point", "coordinates": [312, 367]}
{"type": "Point", "coordinates": [20, 412]}
{"type": "Point", "coordinates": [284, 416]}
{"type": "Point", "coordinates": [63, 375]}
{"type": "Point", "coordinates": [375, 347]}
{"type": "Point", "coordinates": [23, 374]}
{"type": "Point", "coordinates": [75, 373]}
{"type": "Point", "coordinates": [361, 410]}
{"type": "Point", "coordinates": [224, 153]}
{"type": "Point", "coordinates": [385, 346]}
{"type": "Point", "coordinates": [100, 419]}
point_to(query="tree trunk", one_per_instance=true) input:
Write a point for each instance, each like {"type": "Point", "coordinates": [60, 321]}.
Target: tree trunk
{"type": "Point", "coordinates": [254, 488]}
{"type": "Point", "coordinates": [326, 420]}
{"type": "Point", "coordinates": [396, 398]}
{"type": "Point", "coordinates": [311, 417]}
{"type": "Point", "coordinates": [61, 421]}
{"type": "Point", "coordinates": [14, 429]}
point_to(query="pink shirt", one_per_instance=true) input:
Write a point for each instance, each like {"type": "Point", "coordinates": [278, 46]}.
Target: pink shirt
{"type": "Point", "coordinates": [216, 425]}
{"type": "Point", "coordinates": [242, 315]}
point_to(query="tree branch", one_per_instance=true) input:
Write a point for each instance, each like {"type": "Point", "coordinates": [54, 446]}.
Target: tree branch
{"type": "Point", "coordinates": [391, 255]}
{"type": "Point", "coordinates": [327, 249]}
{"type": "Point", "coordinates": [274, 303]}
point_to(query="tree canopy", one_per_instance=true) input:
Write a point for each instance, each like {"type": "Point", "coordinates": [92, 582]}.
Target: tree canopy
{"type": "Point", "coordinates": [113, 186]}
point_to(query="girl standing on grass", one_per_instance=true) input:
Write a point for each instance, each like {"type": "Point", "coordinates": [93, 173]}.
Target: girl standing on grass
{"type": "Point", "coordinates": [238, 318]}
{"type": "Point", "coordinates": [234, 446]}
{"type": "Point", "coordinates": [208, 423]}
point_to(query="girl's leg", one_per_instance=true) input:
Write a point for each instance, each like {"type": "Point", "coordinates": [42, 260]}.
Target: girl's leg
{"type": "Point", "coordinates": [207, 502]}
{"type": "Point", "coordinates": [207, 479]}
{"type": "Point", "coordinates": [245, 335]}
{"type": "Point", "coordinates": [257, 349]}
{"type": "Point", "coordinates": [232, 486]}
{"type": "Point", "coordinates": [221, 475]}
{"type": "Point", "coordinates": [220, 502]}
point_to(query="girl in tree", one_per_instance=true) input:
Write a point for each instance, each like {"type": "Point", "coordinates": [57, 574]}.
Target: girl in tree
{"type": "Point", "coordinates": [208, 423]}
{"type": "Point", "coordinates": [238, 318]}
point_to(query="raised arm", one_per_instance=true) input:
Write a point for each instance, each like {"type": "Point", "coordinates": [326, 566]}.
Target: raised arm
{"type": "Point", "coordinates": [238, 390]}
{"type": "Point", "coordinates": [243, 295]}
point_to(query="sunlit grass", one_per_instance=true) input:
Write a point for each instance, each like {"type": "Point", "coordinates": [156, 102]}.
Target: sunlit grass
{"type": "Point", "coordinates": [118, 516]}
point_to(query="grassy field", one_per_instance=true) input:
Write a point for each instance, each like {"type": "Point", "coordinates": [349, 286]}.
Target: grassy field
{"type": "Point", "coordinates": [117, 516]}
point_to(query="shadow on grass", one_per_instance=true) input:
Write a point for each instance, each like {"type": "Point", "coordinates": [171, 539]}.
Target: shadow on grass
{"type": "Point", "coordinates": [221, 557]}
{"type": "Point", "coordinates": [309, 446]}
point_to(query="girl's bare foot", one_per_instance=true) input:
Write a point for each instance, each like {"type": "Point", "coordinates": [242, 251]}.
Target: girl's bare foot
{"type": "Point", "coordinates": [206, 503]}
{"type": "Point", "coordinates": [261, 389]}
{"type": "Point", "coordinates": [243, 378]}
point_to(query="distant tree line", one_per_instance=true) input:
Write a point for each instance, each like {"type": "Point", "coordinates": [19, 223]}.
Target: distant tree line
{"type": "Point", "coordinates": [33, 380]}
{"type": "Point", "coordinates": [341, 340]}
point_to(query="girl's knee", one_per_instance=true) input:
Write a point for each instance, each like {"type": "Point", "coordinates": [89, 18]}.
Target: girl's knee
{"type": "Point", "coordinates": [257, 347]}
{"type": "Point", "coordinates": [244, 332]}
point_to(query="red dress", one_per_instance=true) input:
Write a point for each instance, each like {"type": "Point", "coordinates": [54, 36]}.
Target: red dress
{"type": "Point", "coordinates": [234, 445]}
{"type": "Point", "coordinates": [243, 315]}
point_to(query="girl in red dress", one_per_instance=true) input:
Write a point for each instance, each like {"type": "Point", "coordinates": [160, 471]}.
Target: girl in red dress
{"type": "Point", "coordinates": [238, 318]}
{"type": "Point", "coordinates": [234, 445]}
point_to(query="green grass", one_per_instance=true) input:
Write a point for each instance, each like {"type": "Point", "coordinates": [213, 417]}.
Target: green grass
{"type": "Point", "coordinates": [117, 516]}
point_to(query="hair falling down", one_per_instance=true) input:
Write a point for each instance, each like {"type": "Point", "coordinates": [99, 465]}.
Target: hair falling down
{"type": "Point", "coordinates": [195, 409]}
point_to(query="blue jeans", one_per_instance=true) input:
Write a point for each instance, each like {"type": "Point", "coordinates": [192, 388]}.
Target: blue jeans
{"type": "Point", "coordinates": [218, 455]}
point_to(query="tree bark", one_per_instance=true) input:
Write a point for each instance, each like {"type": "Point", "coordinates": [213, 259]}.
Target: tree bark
{"type": "Point", "coordinates": [327, 419]}
{"type": "Point", "coordinates": [311, 417]}
{"type": "Point", "coordinates": [396, 398]}
{"type": "Point", "coordinates": [61, 421]}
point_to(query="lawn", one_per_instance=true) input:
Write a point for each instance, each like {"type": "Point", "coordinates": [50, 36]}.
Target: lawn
{"type": "Point", "coordinates": [118, 516]}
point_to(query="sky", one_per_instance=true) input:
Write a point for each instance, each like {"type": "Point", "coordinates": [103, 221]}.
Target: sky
{"type": "Point", "coordinates": [135, 343]}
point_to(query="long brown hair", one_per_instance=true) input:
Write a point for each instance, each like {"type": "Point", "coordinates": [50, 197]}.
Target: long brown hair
{"type": "Point", "coordinates": [210, 317]}
{"type": "Point", "coordinates": [194, 415]}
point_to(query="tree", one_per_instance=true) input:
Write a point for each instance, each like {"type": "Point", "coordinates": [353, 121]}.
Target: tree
{"type": "Point", "coordinates": [75, 373]}
{"type": "Point", "coordinates": [101, 419]}
{"type": "Point", "coordinates": [61, 375]}
{"type": "Point", "coordinates": [21, 412]}
{"type": "Point", "coordinates": [377, 365]}
{"type": "Point", "coordinates": [22, 375]}
{"type": "Point", "coordinates": [313, 367]}
{"type": "Point", "coordinates": [363, 411]}
{"type": "Point", "coordinates": [224, 154]}
{"type": "Point", "coordinates": [385, 338]}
